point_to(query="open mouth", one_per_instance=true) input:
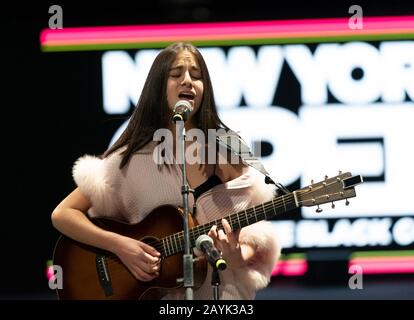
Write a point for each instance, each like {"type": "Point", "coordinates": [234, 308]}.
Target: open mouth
{"type": "Point", "coordinates": [186, 96]}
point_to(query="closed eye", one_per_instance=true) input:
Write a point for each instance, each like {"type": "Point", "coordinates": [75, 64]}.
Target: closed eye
{"type": "Point", "coordinates": [193, 76]}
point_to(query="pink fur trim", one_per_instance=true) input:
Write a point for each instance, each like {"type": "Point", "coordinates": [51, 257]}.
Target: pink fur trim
{"type": "Point", "coordinates": [262, 237]}
{"type": "Point", "coordinates": [89, 173]}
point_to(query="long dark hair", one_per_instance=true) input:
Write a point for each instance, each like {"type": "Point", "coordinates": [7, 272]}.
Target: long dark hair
{"type": "Point", "coordinates": [152, 112]}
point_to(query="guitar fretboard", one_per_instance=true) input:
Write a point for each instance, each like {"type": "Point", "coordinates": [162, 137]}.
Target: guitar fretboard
{"type": "Point", "coordinates": [174, 243]}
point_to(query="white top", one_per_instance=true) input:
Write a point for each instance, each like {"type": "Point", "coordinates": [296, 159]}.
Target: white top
{"type": "Point", "coordinates": [132, 193]}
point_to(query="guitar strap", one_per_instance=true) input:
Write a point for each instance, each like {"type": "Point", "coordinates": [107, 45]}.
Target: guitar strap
{"type": "Point", "coordinates": [232, 141]}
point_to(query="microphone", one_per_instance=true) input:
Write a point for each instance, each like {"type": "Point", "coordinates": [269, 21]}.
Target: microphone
{"type": "Point", "coordinates": [182, 110]}
{"type": "Point", "coordinates": [206, 245]}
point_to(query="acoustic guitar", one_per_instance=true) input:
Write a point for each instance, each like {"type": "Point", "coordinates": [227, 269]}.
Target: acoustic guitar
{"type": "Point", "coordinates": [92, 273]}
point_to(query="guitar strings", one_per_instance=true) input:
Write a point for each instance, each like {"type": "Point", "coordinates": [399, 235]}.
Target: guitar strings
{"type": "Point", "coordinates": [118, 266]}
{"type": "Point", "coordinates": [198, 230]}
{"type": "Point", "coordinates": [202, 229]}
{"type": "Point", "coordinates": [244, 218]}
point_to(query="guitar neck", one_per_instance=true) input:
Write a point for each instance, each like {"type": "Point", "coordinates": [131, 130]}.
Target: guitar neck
{"type": "Point", "coordinates": [174, 243]}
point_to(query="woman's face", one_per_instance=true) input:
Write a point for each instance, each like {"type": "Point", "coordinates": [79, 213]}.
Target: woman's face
{"type": "Point", "coordinates": [185, 81]}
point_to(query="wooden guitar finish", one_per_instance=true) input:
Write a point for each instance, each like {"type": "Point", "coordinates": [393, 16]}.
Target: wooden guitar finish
{"type": "Point", "coordinates": [91, 273]}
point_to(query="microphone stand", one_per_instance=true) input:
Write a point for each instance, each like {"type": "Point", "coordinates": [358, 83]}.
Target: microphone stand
{"type": "Point", "coordinates": [215, 282]}
{"type": "Point", "coordinates": [188, 271]}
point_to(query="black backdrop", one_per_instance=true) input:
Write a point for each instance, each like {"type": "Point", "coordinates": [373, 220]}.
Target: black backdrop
{"type": "Point", "coordinates": [47, 119]}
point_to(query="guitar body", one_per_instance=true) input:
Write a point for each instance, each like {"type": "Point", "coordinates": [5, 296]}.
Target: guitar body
{"type": "Point", "coordinates": [91, 273]}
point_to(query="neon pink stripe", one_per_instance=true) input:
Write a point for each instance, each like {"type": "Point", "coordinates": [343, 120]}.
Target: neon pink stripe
{"type": "Point", "coordinates": [294, 267]}
{"type": "Point", "coordinates": [184, 31]}
{"type": "Point", "coordinates": [247, 24]}
{"type": "Point", "coordinates": [51, 35]}
{"type": "Point", "coordinates": [385, 265]}
{"type": "Point", "coordinates": [50, 273]}
{"type": "Point", "coordinates": [370, 265]}
{"type": "Point", "coordinates": [234, 29]}
{"type": "Point", "coordinates": [209, 37]}
{"type": "Point", "coordinates": [215, 37]}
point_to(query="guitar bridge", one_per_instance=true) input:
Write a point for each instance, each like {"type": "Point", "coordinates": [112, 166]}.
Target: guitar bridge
{"type": "Point", "coordinates": [103, 274]}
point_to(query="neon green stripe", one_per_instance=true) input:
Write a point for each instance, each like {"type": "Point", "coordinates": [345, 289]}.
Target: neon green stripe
{"type": "Point", "coordinates": [392, 253]}
{"type": "Point", "coordinates": [291, 256]}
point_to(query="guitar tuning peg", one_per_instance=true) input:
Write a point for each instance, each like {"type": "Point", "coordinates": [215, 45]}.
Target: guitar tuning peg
{"type": "Point", "coordinates": [319, 210]}
{"type": "Point", "coordinates": [324, 183]}
{"type": "Point", "coordinates": [310, 186]}
{"type": "Point", "coordinates": [346, 202]}
{"type": "Point", "coordinates": [339, 172]}
{"type": "Point", "coordinates": [333, 205]}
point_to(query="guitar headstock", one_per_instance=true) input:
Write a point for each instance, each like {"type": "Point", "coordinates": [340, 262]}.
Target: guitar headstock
{"type": "Point", "coordinates": [340, 187]}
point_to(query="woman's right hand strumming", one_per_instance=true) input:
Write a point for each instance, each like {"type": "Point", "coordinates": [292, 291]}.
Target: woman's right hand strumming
{"type": "Point", "coordinates": [141, 259]}
{"type": "Point", "coordinates": [69, 217]}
